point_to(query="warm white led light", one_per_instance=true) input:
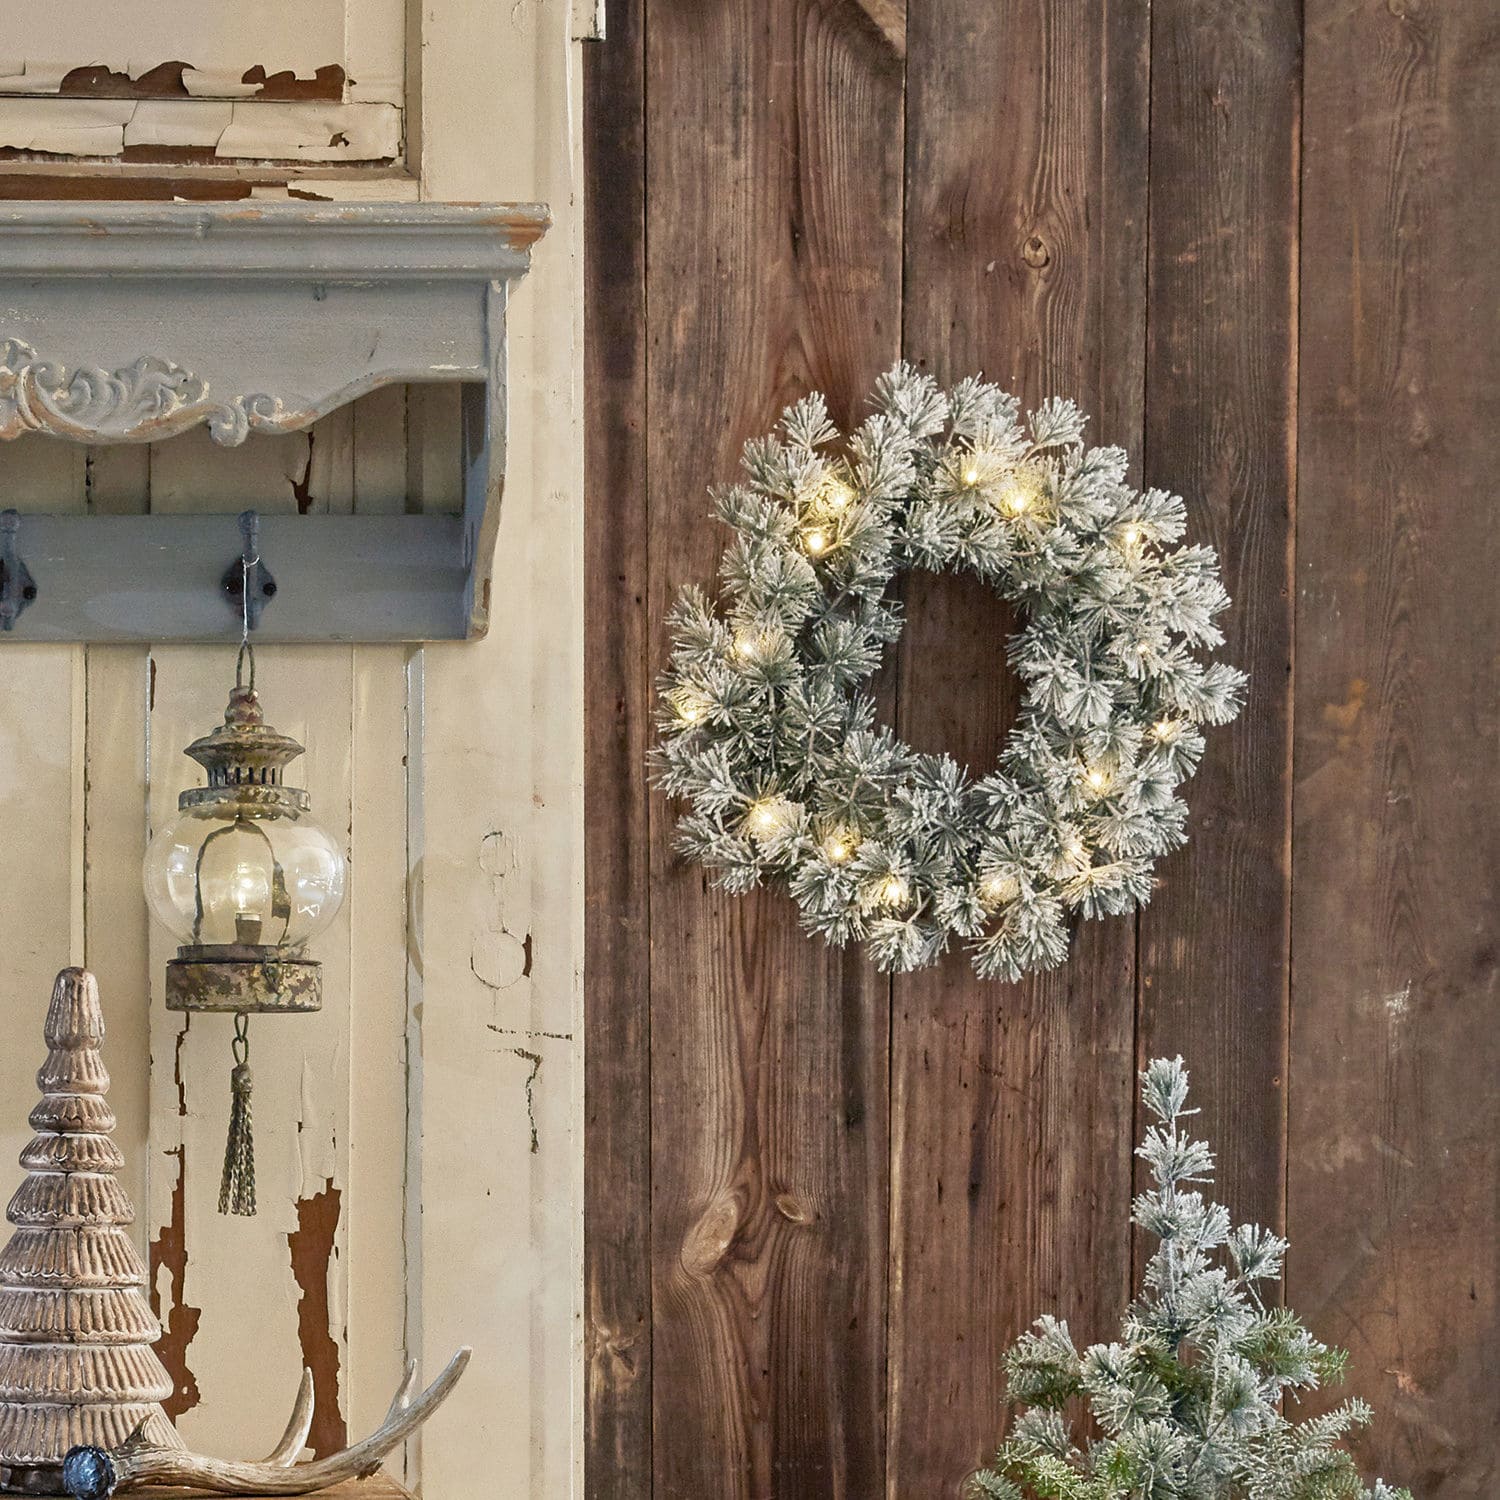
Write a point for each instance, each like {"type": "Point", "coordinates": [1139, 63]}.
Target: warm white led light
{"type": "Point", "coordinates": [838, 848]}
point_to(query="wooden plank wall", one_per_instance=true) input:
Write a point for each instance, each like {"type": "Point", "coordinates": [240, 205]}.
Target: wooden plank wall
{"type": "Point", "coordinates": [1256, 239]}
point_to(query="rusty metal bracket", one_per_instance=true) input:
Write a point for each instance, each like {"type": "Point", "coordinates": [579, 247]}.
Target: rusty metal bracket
{"type": "Point", "coordinates": [247, 580]}
{"type": "Point", "coordinates": [17, 586]}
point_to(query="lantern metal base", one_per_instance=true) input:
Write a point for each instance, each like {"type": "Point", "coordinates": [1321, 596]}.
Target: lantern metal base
{"type": "Point", "coordinates": [241, 977]}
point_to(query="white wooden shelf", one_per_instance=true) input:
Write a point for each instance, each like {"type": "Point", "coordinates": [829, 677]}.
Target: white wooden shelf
{"type": "Point", "coordinates": [126, 323]}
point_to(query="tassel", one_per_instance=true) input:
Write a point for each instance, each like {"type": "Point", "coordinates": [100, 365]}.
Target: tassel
{"type": "Point", "coordinates": [237, 1189]}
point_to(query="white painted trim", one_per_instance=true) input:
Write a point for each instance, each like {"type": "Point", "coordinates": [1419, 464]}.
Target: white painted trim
{"type": "Point", "coordinates": [500, 1260]}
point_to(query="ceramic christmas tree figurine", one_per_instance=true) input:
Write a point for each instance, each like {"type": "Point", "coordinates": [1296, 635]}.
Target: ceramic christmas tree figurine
{"type": "Point", "coordinates": [76, 1362]}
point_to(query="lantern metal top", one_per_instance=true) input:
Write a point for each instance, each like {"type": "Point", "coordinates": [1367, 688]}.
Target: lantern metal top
{"type": "Point", "coordinates": [245, 757]}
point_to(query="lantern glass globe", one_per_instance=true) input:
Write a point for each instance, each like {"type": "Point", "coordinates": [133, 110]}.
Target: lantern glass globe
{"type": "Point", "coordinates": [221, 874]}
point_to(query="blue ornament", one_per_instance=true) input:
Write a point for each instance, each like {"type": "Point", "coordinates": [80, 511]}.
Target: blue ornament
{"type": "Point", "coordinates": [88, 1473]}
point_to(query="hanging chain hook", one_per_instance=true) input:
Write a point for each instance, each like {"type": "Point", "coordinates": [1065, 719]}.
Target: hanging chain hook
{"type": "Point", "coordinates": [241, 1044]}
{"type": "Point", "coordinates": [247, 580]}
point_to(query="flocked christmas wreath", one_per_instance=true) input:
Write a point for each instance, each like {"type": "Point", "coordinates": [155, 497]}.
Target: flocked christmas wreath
{"type": "Point", "coordinates": [767, 727]}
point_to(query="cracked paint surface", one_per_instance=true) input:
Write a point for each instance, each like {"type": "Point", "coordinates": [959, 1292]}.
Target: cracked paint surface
{"type": "Point", "coordinates": [535, 1059]}
{"type": "Point", "coordinates": [220, 129]}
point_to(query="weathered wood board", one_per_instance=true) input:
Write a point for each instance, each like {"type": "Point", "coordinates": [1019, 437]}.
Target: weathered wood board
{"type": "Point", "coordinates": [767, 1240]}
{"type": "Point", "coordinates": [1257, 242]}
{"type": "Point", "coordinates": [1394, 1144]}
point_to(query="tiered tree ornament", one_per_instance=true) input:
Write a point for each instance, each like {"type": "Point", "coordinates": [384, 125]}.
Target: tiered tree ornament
{"type": "Point", "coordinates": [76, 1362]}
{"type": "Point", "coordinates": [244, 878]}
{"type": "Point", "coordinates": [80, 1385]}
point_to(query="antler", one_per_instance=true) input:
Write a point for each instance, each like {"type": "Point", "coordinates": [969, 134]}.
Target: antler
{"type": "Point", "coordinates": [298, 1425]}
{"type": "Point", "coordinates": [92, 1473]}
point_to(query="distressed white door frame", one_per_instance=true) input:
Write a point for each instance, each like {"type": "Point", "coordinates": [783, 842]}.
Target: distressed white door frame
{"type": "Point", "coordinates": [420, 1141]}
{"type": "Point", "coordinates": [498, 827]}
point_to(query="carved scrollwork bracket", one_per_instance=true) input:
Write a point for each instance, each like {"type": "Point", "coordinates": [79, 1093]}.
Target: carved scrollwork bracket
{"type": "Point", "coordinates": [146, 401]}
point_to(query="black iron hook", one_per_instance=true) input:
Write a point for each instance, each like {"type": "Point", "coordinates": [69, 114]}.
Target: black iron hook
{"type": "Point", "coordinates": [247, 580]}
{"type": "Point", "coordinates": [17, 587]}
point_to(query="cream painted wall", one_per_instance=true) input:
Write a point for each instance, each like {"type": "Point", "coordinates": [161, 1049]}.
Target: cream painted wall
{"type": "Point", "coordinates": [420, 1141]}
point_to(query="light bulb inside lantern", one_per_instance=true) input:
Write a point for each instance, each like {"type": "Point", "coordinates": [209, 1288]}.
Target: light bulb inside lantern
{"type": "Point", "coordinates": [250, 888]}
{"type": "Point", "coordinates": [243, 881]}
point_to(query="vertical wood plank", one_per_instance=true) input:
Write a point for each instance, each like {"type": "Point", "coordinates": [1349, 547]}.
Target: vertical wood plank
{"type": "Point", "coordinates": [497, 792]}
{"type": "Point", "coordinates": [115, 925]}
{"type": "Point", "coordinates": [1395, 1117]}
{"type": "Point", "coordinates": [379, 916]}
{"type": "Point", "coordinates": [1024, 258]}
{"type": "Point", "coordinates": [291, 1258]}
{"type": "Point", "coordinates": [42, 733]}
{"type": "Point", "coordinates": [773, 198]}
{"type": "Point", "coordinates": [617, 698]}
{"type": "Point", "coordinates": [1220, 402]}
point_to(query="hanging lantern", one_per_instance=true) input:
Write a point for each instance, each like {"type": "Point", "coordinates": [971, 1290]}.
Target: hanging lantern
{"type": "Point", "coordinates": [244, 878]}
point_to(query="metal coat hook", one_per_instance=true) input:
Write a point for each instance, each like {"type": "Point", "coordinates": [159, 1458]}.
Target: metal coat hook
{"type": "Point", "coordinates": [17, 587]}
{"type": "Point", "coordinates": [247, 580]}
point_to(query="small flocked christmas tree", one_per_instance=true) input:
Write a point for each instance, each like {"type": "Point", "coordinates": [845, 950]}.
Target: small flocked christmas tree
{"type": "Point", "coordinates": [76, 1362]}
{"type": "Point", "coordinates": [1190, 1404]}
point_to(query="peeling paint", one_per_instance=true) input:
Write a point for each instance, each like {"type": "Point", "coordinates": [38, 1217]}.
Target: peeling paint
{"type": "Point", "coordinates": [176, 78]}
{"type": "Point", "coordinates": [500, 959]}
{"type": "Point", "coordinates": [168, 1252]}
{"type": "Point", "coordinates": [96, 81]}
{"type": "Point", "coordinates": [312, 1252]}
{"type": "Point", "coordinates": [187, 1020]}
{"type": "Point", "coordinates": [535, 1059]}
{"type": "Point", "coordinates": [181, 130]}
{"type": "Point", "coordinates": [327, 82]}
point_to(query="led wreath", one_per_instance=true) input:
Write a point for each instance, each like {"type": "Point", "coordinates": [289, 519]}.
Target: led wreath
{"type": "Point", "coordinates": [768, 730]}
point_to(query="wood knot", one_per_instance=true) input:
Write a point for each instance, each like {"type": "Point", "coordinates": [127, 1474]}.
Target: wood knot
{"type": "Point", "coordinates": [709, 1240]}
{"type": "Point", "coordinates": [792, 1211]}
{"type": "Point", "coordinates": [1035, 252]}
